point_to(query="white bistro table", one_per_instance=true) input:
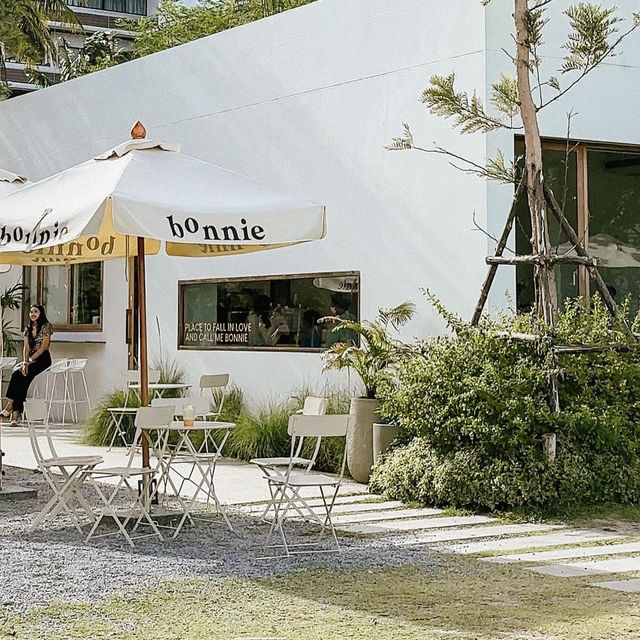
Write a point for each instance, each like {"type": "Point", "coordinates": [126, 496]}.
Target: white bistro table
{"type": "Point", "coordinates": [183, 462]}
{"type": "Point", "coordinates": [158, 388]}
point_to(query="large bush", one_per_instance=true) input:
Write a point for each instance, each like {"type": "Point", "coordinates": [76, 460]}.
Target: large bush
{"type": "Point", "coordinates": [473, 408]}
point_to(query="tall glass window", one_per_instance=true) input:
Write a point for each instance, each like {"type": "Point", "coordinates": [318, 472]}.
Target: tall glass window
{"type": "Point", "coordinates": [279, 312]}
{"type": "Point", "coordinates": [71, 295]}
{"type": "Point", "coordinates": [599, 190]}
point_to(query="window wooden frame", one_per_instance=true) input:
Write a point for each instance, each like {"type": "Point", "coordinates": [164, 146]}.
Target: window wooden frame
{"type": "Point", "coordinates": [68, 326]}
{"type": "Point", "coordinates": [282, 349]}
{"type": "Point", "coordinates": [582, 148]}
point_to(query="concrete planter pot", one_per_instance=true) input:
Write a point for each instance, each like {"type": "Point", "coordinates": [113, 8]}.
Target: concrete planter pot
{"type": "Point", "coordinates": [360, 437]}
{"type": "Point", "coordinates": [383, 435]}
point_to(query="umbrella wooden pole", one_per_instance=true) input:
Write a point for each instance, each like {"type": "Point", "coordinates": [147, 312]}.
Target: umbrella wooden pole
{"type": "Point", "coordinates": [142, 364]}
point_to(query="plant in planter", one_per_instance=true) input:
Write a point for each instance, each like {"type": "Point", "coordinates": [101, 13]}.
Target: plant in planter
{"type": "Point", "coordinates": [373, 359]}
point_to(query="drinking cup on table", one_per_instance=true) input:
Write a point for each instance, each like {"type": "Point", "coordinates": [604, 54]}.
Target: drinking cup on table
{"type": "Point", "coordinates": [189, 415]}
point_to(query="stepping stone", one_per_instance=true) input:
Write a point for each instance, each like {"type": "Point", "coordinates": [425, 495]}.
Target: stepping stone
{"type": "Point", "coordinates": [563, 571]}
{"type": "Point", "coordinates": [415, 524]}
{"type": "Point", "coordinates": [616, 565]}
{"type": "Point", "coordinates": [364, 507]}
{"type": "Point", "coordinates": [447, 535]}
{"type": "Point", "coordinates": [528, 542]}
{"type": "Point", "coordinates": [365, 498]}
{"type": "Point", "coordinates": [628, 586]}
{"type": "Point", "coordinates": [562, 554]}
{"type": "Point", "coordinates": [385, 515]}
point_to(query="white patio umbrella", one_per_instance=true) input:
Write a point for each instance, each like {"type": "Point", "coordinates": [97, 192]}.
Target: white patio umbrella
{"type": "Point", "coordinates": [127, 200]}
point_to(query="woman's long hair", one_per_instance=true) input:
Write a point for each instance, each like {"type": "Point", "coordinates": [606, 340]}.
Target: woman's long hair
{"type": "Point", "coordinates": [42, 318]}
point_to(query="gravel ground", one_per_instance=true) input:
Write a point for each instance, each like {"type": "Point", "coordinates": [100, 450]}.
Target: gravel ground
{"type": "Point", "coordinates": [54, 563]}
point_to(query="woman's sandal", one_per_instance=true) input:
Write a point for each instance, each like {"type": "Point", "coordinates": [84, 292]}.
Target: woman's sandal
{"type": "Point", "coordinates": [5, 414]}
{"type": "Point", "coordinates": [14, 423]}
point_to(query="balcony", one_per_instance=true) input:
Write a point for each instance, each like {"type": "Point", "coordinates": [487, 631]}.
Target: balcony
{"type": "Point", "coordinates": [132, 7]}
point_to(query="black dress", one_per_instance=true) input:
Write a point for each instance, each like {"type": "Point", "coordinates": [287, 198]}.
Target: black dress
{"type": "Point", "coordinates": [19, 384]}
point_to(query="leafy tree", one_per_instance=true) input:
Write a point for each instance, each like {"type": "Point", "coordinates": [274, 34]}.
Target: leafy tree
{"type": "Point", "coordinates": [516, 101]}
{"type": "Point", "coordinates": [175, 24]}
{"type": "Point", "coordinates": [24, 33]}
{"type": "Point", "coordinates": [99, 51]}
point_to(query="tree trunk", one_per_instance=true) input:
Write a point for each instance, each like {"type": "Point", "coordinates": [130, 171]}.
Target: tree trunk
{"type": "Point", "coordinates": [543, 276]}
{"type": "Point", "coordinates": [544, 280]}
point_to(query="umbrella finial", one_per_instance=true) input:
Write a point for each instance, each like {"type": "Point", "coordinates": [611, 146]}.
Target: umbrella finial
{"type": "Point", "coordinates": [138, 131]}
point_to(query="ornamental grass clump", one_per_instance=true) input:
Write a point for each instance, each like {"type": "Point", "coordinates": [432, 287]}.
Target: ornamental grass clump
{"type": "Point", "coordinates": [473, 407]}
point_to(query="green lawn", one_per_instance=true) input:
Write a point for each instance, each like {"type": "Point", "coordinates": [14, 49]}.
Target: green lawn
{"type": "Point", "coordinates": [460, 598]}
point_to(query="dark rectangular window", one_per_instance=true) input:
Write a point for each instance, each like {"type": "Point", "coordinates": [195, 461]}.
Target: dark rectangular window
{"type": "Point", "coordinates": [137, 7]}
{"type": "Point", "coordinates": [276, 312]}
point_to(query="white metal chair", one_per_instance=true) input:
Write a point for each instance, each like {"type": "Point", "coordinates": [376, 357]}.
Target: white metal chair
{"type": "Point", "coordinates": [313, 406]}
{"type": "Point", "coordinates": [216, 383]}
{"type": "Point", "coordinates": [140, 492]}
{"type": "Point", "coordinates": [64, 474]}
{"type": "Point", "coordinates": [286, 488]}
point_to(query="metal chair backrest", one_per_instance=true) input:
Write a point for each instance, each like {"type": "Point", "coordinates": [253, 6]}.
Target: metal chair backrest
{"type": "Point", "coordinates": [314, 406]}
{"type": "Point", "coordinates": [216, 383]}
{"type": "Point", "coordinates": [147, 417]}
{"type": "Point", "coordinates": [213, 381]}
{"type": "Point", "coordinates": [301, 426]}
{"type": "Point", "coordinates": [35, 412]}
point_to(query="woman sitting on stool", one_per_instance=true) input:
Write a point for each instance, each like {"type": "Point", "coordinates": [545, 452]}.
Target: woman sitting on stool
{"type": "Point", "coordinates": [37, 358]}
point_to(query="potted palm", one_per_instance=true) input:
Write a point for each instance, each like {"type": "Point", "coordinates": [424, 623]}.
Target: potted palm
{"type": "Point", "coordinates": [372, 352]}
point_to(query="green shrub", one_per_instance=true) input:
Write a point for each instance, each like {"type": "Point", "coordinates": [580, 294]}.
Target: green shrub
{"type": "Point", "coordinates": [473, 408]}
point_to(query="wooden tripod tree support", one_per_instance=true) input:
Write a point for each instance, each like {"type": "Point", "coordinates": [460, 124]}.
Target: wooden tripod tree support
{"type": "Point", "coordinates": [582, 258]}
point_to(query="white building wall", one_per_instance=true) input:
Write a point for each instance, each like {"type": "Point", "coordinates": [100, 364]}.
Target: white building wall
{"type": "Point", "coordinates": [306, 100]}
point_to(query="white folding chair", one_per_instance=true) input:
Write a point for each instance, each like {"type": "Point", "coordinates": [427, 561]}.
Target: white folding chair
{"type": "Point", "coordinates": [286, 489]}
{"type": "Point", "coordinates": [217, 384]}
{"type": "Point", "coordinates": [275, 466]}
{"type": "Point", "coordinates": [64, 474]}
{"type": "Point", "coordinates": [140, 493]}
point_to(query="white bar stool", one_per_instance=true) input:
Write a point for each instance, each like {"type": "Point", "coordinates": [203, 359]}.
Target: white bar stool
{"type": "Point", "coordinates": [75, 370]}
{"type": "Point", "coordinates": [58, 369]}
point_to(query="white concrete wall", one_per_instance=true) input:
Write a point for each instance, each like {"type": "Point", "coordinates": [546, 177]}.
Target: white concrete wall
{"type": "Point", "coordinates": [305, 100]}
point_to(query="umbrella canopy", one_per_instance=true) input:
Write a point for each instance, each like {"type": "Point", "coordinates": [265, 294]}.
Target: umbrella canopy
{"type": "Point", "coordinates": [128, 199]}
{"type": "Point", "coordinates": [145, 188]}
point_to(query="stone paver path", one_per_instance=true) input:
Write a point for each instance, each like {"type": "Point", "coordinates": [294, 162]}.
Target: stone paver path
{"type": "Point", "coordinates": [528, 542]}
{"type": "Point", "coordinates": [628, 586]}
{"type": "Point", "coordinates": [370, 515]}
{"type": "Point", "coordinates": [563, 554]}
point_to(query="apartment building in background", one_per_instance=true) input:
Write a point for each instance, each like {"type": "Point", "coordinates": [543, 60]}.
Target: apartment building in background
{"type": "Point", "coordinates": [94, 16]}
